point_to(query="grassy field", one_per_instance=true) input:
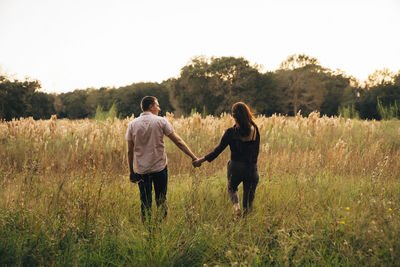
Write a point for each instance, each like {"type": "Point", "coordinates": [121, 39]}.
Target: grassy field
{"type": "Point", "coordinates": [329, 194]}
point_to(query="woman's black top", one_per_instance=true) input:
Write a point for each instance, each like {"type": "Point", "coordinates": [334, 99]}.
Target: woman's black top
{"type": "Point", "coordinates": [243, 151]}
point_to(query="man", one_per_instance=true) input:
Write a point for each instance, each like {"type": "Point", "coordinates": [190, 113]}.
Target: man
{"type": "Point", "coordinates": [146, 154]}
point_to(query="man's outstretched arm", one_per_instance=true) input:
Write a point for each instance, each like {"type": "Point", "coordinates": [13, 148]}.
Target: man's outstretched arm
{"type": "Point", "coordinates": [181, 145]}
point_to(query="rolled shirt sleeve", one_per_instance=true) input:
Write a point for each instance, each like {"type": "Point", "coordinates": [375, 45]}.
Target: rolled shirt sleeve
{"type": "Point", "coordinates": [167, 127]}
{"type": "Point", "coordinates": [128, 135]}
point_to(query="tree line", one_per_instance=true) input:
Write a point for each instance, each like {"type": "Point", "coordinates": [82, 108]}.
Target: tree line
{"type": "Point", "coordinates": [212, 85]}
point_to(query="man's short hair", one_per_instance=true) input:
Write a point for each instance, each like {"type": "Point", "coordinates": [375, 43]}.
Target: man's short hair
{"type": "Point", "coordinates": [147, 101]}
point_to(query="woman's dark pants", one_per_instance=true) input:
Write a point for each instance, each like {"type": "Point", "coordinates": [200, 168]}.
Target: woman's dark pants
{"type": "Point", "coordinates": [248, 174]}
{"type": "Point", "coordinates": [160, 181]}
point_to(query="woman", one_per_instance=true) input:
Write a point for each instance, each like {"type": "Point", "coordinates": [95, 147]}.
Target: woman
{"type": "Point", "coordinates": [244, 141]}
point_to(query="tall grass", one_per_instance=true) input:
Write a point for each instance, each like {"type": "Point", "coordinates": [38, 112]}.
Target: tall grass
{"type": "Point", "coordinates": [329, 194]}
{"type": "Point", "coordinates": [388, 112]}
{"type": "Point", "coordinates": [103, 115]}
{"type": "Point", "coordinates": [348, 112]}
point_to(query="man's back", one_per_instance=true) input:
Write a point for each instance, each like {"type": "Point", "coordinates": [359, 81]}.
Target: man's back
{"type": "Point", "coordinates": [147, 132]}
{"type": "Point", "coordinates": [146, 154]}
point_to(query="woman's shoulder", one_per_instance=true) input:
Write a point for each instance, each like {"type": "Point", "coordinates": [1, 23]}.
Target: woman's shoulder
{"type": "Point", "coordinates": [231, 129]}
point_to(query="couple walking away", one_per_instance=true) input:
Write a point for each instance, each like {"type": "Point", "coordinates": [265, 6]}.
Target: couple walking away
{"type": "Point", "coordinates": [147, 159]}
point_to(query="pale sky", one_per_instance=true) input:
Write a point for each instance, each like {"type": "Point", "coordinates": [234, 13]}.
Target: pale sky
{"type": "Point", "coordinates": [76, 44]}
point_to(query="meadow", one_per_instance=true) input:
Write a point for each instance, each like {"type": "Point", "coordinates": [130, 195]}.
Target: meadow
{"type": "Point", "coordinates": [329, 194]}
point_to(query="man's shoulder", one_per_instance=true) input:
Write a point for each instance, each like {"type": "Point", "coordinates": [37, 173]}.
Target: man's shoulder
{"type": "Point", "coordinates": [163, 119]}
{"type": "Point", "coordinates": [133, 121]}
{"type": "Point", "coordinates": [159, 119]}
{"type": "Point", "coordinates": [149, 118]}
{"type": "Point", "coordinates": [138, 119]}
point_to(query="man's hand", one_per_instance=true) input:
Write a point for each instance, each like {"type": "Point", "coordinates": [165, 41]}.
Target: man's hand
{"type": "Point", "coordinates": [197, 162]}
{"type": "Point", "coordinates": [135, 178]}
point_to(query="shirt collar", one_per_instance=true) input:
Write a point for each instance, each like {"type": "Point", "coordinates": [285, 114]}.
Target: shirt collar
{"type": "Point", "coordinates": [146, 113]}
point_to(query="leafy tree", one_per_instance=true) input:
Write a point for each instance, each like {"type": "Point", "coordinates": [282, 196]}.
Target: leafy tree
{"type": "Point", "coordinates": [294, 61]}
{"type": "Point", "coordinates": [123, 100]}
{"type": "Point", "coordinates": [383, 90]}
{"type": "Point", "coordinates": [380, 77]}
{"type": "Point", "coordinates": [58, 105]}
{"type": "Point", "coordinates": [15, 97]}
{"type": "Point", "coordinates": [215, 84]}
{"type": "Point", "coordinates": [191, 88]}
{"type": "Point", "coordinates": [300, 84]}
{"type": "Point", "coordinates": [266, 98]}
{"type": "Point", "coordinates": [339, 92]}
{"type": "Point", "coordinates": [105, 97]}
{"type": "Point", "coordinates": [75, 104]}
{"type": "Point", "coordinates": [41, 106]}
{"type": "Point", "coordinates": [212, 85]}
{"type": "Point", "coordinates": [397, 79]}
{"type": "Point", "coordinates": [128, 98]}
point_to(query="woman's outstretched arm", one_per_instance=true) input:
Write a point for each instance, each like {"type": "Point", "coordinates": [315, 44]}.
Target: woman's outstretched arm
{"type": "Point", "coordinates": [215, 153]}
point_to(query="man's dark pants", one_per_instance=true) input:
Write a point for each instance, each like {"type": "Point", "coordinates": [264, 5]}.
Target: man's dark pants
{"type": "Point", "coordinates": [160, 181]}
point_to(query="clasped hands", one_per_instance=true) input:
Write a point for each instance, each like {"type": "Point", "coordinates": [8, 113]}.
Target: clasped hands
{"type": "Point", "coordinates": [197, 162]}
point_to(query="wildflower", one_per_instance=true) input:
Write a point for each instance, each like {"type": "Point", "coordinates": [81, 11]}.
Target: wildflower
{"type": "Point", "coordinates": [228, 253]}
{"type": "Point", "coordinates": [342, 222]}
{"type": "Point", "coordinates": [347, 208]}
{"type": "Point", "coordinates": [389, 209]}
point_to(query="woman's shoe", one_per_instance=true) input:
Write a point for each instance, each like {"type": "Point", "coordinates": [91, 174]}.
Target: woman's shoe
{"type": "Point", "coordinates": [237, 210]}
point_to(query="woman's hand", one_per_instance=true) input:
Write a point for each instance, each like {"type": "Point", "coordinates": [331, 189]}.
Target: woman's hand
{"type": "Point", "coordinates": [198, 162]}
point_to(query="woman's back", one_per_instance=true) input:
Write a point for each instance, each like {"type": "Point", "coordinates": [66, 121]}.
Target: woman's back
{"type": "Point", "coordinates": [244, 141]}
{"type": "Point", "coordinates": [243, 149]}
{"type": "Point", "coordinates": [251, 137]}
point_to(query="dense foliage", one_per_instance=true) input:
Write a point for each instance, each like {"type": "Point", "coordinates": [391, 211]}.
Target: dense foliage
{"type": "Point", "coordinates": [211, 85]}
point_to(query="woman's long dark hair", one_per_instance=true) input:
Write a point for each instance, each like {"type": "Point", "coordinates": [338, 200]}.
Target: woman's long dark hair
{"type": "Point", "coordinates": [244, 117]}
